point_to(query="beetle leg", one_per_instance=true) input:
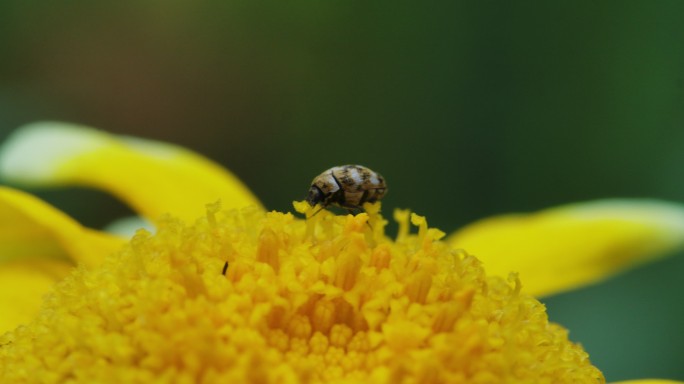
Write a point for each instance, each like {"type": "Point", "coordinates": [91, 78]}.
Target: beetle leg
{"type": "Point", "coordinates": [319, 209]}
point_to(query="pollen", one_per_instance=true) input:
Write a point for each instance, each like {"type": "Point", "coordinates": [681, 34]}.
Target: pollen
{"type": "Point", "coordinates": [324, 299]}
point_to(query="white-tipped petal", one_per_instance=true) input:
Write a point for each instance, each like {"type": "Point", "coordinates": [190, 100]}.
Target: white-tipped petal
{"type": "Point", "coordinates": [126, 227]}
{"type": "Point", "coordinates": [153, 177]}
{"type": "Point", "coordinates": [34, 153]}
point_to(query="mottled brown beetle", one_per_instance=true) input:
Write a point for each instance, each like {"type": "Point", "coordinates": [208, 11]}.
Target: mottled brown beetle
{"type": "Point", "coordinates": [347, 186]}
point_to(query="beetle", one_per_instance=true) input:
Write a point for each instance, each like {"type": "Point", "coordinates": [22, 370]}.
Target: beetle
{"type": "Point", "coordinates": [347, 186]}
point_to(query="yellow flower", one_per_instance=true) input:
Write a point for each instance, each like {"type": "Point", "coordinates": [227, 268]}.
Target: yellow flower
{"type": "Point", "coordinates": [228, 292]}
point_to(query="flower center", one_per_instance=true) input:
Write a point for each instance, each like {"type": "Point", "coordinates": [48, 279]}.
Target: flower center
{"type": "Point", "coordinates": [330, 298]}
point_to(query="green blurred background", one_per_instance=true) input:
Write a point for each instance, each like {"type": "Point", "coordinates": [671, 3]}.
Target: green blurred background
{"type": "Point", "coordinates": [468, 109]}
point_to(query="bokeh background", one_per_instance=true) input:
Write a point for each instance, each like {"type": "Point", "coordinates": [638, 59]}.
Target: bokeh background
{"type": "Point", "coordinates": [468, 109]}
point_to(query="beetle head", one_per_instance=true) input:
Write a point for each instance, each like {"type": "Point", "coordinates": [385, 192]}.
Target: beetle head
{"type": "Point", "coordinates": [315, 196]}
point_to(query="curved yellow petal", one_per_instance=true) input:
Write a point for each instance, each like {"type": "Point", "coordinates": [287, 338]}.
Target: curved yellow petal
{"type": "Point", "coordinates": [565, 247]}
{"type": "Point", "coordinates": [23, 283]}
{"type": "Point", "coordinates": [31, 228]}
{"type": "Point", "coordinates": [153, 177]}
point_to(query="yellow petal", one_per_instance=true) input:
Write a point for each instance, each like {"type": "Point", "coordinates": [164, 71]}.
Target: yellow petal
{"type": "Point", "coordinates": [31, 228]}
{"type": "Point", "coordinates": [22, 286]}
{"type": "Point", "coordinates": [565, 247]}
{"type": "Point", "coordinates": [153, 177]}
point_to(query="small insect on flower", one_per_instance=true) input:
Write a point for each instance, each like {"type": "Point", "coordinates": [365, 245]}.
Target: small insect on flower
{"type": "Point", "coordinates": [346, 186]}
